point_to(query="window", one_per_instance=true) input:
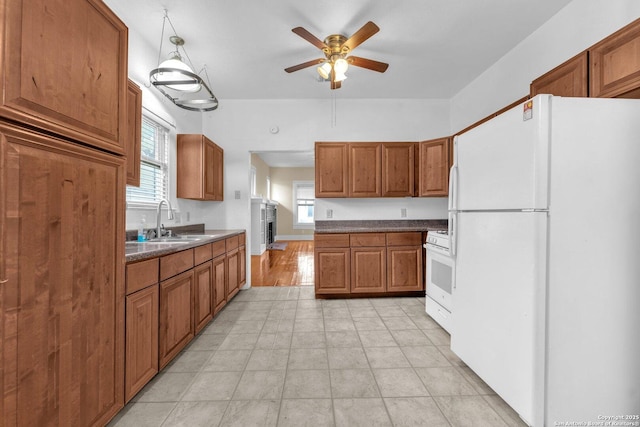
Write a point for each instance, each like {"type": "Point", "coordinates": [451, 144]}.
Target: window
{"type": "Point", "coordinates": [154, 161]}
{"type": "Point", "coordinates": [303, 203]}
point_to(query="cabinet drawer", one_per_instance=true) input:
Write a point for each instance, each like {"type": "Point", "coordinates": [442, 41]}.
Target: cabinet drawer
{"type": "Point", "coordinates": [218, 248]}
{"type": "Point", "coordinates": [331, 240]}
{"type": "Point", "coordinates": [404, 239]}
{"type": "Point", "coordinates": [141, 274]}
{"type": "Point", "coordinates": [173, 264]}
{"type": "Point", "coordinates": [232, 243]}
{"type": "Point", "coordinates": [367, 239]}
{"type": "Point", "coordinates": [202, 254]}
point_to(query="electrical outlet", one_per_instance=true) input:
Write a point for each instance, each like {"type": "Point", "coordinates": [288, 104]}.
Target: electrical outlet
{"type": "Point", "coordinates": [329, 213]}
{"type": "Point", "coordinates": [403, 212]}
{"type": "Point", "coordinates": [188, 216]}
{"type": "Point", "coordinates": [237, 194]}
{"type": "Point", "coordinates": [177, 217]}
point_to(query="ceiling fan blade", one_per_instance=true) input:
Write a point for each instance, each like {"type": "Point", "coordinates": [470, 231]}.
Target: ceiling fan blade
{"type": "Point", "coordinates": [310, 38]}
{"type": "Point", "coordinates": [370, 64]}
{"type": "Point", "coordinates": [304, 65]}
{"type": "Point", "coordinates": [361, 35]}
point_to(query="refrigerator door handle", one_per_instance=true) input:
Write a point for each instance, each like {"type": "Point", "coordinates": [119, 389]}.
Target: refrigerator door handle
{"type": "Point", "coordinates": [453, 233]}
{"type": "Point", "coordinates": [453, 183]}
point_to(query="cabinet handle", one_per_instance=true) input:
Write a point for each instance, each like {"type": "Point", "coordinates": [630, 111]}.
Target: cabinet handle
{"type": "Point", "coordinates": [4, 281]}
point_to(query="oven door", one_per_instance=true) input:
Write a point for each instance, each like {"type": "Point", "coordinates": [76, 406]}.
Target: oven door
{"type": "Point", "coordinates": [440, 276]}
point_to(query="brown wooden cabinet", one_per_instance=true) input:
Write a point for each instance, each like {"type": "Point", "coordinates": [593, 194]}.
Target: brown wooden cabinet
{"type": "Point", "coordinates": [404, 262]}
{"type": "Point", "coordinates": [365, 169]}
{"type": "Point", "coordinates": [368, 263]}
{"type": "Point", "coordinates": [332, 259]}
{"type": "Point", "coordinates": [79, 92]}
{"type": "Point", "coordinates": [242, 260]}
{"type": "Point", "coordinates": [63, 300]}
{"type": "Point", "coordinates": [398, 169]}
{"type": "Point", "coordinates": [176, 316]}
{"type": "Point", "coordinates": [200, 168]}
{"type": "Point", "coordinates": [203, 298]}
{"type": "Point", "coordinates": [568, 79]}
{"type": "Point", "coordinates": [233, 267]}
{"type": "Point", "coordinates": [331, 169]}
{"type": "Point", "coordinates": [141, 359]}
{"type": "Point", "coordinates": [433, 171]}
{"type": "Point", "coordinates": [134, 133]}
{"type": "Point", "coordinates": [614, 64]}
{"type": "Point", "coordinates": [219, 275]}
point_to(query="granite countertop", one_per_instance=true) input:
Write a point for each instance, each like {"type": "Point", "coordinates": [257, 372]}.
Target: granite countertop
{"type": "Point", "coordinates": [138, 251]}
{"type": "Point", "coordinates": [380, 226]}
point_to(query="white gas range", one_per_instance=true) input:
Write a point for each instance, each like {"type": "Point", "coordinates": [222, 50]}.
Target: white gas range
{"type": "Point", "coordinates": [440, 275]}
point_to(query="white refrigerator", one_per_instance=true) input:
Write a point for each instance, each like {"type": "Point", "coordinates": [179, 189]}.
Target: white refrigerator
{"type": "Point", "coordinates": [545, 228]}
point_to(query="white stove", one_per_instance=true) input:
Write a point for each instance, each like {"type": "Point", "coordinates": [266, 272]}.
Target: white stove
{"type": "Point", "coordinates": [440, 275]}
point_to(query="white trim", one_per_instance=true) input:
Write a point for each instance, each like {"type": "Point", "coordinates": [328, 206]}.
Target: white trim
{"type": "Point", "coordinates": [294, 237]}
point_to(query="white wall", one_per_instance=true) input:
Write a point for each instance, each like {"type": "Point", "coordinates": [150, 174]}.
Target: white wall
{"type": "Point", "coordinates": [573, 29]}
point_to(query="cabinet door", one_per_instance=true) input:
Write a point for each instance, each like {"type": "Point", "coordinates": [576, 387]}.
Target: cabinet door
{"type": "Point", "coordinates": [398, 169]}
{"type": "Point", "coordinates": [434, 168]}
{"type": "Point", "coordinates": [242, 265]}
{"type": "Point", "coordinates": [141, 359]}
{"type": "Point", "coordinates": [567, 79]}
{"type": "Point", "coordinates": [218, 182]}
{"type": "Point", "coordinates": [64, 69]}
{"type": "Point", "coordinates": [176, 315]}
{"type": "Point", "coordinates": [404, 269]}
{"type": "Point", "coordinates": [219, 283]}
{"type": "Point", "coordinates": [233, 273]}
{"type": "Point", "coordinates": [365, 170]}
{"type": "Point", "coordinates": [615, 64]}
{"type": "Point", "coordinates": [331, 169]}
{"type": "Point", "coordinates": [199, 171]}
{"type": "Point", "coordinates": [203, 304]}
{"type": "Point", "coordinates": [134, 133]}
{"type": "Point", "coordinates": [63, 300]}
{"type": "Point", "coordinates": [332, 270]}
{"type": "Point", "coordinates": [209, 172]}
{"type": "Point", "coordinates": [368, 269]}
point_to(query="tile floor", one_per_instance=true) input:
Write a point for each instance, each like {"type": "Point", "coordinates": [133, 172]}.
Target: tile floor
{"type": "Point", "coordinates": [279, 357]}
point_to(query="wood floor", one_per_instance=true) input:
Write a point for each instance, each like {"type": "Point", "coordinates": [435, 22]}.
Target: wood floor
{"type": "Point", "coordinates": [290, 267]}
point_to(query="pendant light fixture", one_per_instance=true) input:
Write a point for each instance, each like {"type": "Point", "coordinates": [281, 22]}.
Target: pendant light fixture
{"type": "Point", "coordinates": [176, 79]}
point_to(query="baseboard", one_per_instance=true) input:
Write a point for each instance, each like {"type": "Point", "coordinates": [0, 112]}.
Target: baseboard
{"type": "Point", "coordinates": [294, 237]}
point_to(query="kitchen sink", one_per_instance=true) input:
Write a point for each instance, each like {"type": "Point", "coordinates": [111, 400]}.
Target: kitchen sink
{"type": "Point", "coordinates": [178, 239]}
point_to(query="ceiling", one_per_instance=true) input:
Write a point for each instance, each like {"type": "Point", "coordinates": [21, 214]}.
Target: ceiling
{"type": "Point", "coordinates": [434, 47]}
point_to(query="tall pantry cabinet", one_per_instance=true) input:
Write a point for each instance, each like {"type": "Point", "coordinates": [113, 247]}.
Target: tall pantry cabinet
{"type": "Point", "coordinates": [63, 120]}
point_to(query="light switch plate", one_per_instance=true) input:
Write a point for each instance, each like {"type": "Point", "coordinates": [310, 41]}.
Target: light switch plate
{"type": "Point", "coordinates": [329, 213]}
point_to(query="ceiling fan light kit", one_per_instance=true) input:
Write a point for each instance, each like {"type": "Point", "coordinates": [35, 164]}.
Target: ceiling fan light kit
{"type": "Point", "coordinates": [177, 81]}
{"type": "Point", "coordinates": [336, 47]}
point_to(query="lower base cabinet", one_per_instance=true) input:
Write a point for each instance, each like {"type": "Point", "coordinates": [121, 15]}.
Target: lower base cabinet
{"type": "Point", "coordinates": [176, 316]}
{"type": "Point", "coordinates": [203, 304]}
{"type": "Point", "coordinates": [141, 339]}
{"type": "Point", "coordinates": [219, 276]}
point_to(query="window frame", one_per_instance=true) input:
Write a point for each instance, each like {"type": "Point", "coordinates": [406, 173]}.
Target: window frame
{"type": "Point", "coordinates": [161, 162]}
{"type": "Point", "coordinates": [296, 223]}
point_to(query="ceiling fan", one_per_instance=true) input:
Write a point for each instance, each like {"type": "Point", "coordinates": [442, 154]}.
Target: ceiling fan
{"type": "Point", "coordinates": [336, 47]}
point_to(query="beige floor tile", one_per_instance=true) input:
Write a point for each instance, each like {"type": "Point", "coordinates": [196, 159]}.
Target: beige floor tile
{"type": "Point", "coordinates": [415, 411]}
{"type": "Point", "coordinates": [468, 411]}
{"type": "Point", "coordinates": [212, 386]}
{"type": "Point", "coordinates": [386, 357]}
{"type": "Point", "coordinates": [308, 340]}
{"type": "Point", "coordinates": [413, 337]}
{"type": "Point", "coordinates": [227, 360]}
{"type": "Point", "coordinates": [247, 413]}
{"type": "Point", "coordinates": [196, 414]}
{"type": "Point", "coordinates": [363, 312]}
{"type": "Point", "coordinates": [188, 361]}
{"type": "Point", "coordinates": [423, 321]}
{"type": "Point", "coordinates": [143, 415]}
{"type": "Point", "coordinates": [260, 385]}
{"type": "Point", "coordinates": [268, 360]}
{"type": "Point", "coordinates": [308, 358]}
{"type": "Point", "coordinates": [247, 327]}
{"type": "Point", "coordinates": [307, 384]}
{"type": "Point", "coordinates": [342, 339]}
{"type": "Point", "coordinates": [206, 342]}
{"type": "Point", "coordinates": [450, 355]}
{"type": "Point", "coordinates": [438, 336]}
{"type": "Point", "coordinates": [390, 311]}
{"type": "Point", "coordinates": [377, 339]}
{"type": "Point", "coordinates": [360, 413]}
{"type": "Point", "coordinates": [239, 342]}
{"type": "Point", "coordinates": [336, 312]}
{"type": "Point", "coordinates": [399, 323]}
{"type": "Point", "coordinates": [308, 325]}
{"type": "Point", "coordinates": [339, 324]}
{"type": "Point", "coordinates": [445, 381]}
{"type": "Point", "coordinates": [165, 387]}
{"type": "Point", "coordinates": [347, 358]}
{"type": "Point", "coordinates": [306, 413]}
{"type": "Point", "coordinates": [399, 382]}
{"type": "Point", "coordinates": [508, 415]}
{"type": "Point", "coordinates": [478, 384]}
{"type": "Point", "coordinates": [369, 324]}
{"type": "Point", "coordinates": [426, 356]}
{"type": "Point", "coordinates": [347, 383]}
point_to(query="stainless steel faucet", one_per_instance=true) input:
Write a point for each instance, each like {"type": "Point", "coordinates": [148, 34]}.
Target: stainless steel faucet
{"type": "Point", "coordinates": [159, 215]}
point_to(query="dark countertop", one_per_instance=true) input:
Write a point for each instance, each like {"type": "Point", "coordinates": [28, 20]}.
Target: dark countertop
{"type": "Point", "coordinates": [380, 226]}
{"type": "Point", "coordinates": [138, 251]}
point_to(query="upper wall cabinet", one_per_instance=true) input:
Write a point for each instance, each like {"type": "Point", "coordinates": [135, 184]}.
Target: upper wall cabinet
{"type": "Point", "coordinates": [615, 64]}
{"type": "Point", "coordinates": [65, 69]}
{"type": "Point", "coordinates": [200, 168]}
{"type": "Point", "coordinates": [433, 174]}
{"type": "Point", "coordinates": [567, 79]}
{"type": "Point", "coordinates": [365, 167]}
{"type": "Point", "coordinates": [398, 169]}
{"type": "Point", "coordinates": [331, 169]}
{"type": "Point", "coordinates": [134, 133]}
